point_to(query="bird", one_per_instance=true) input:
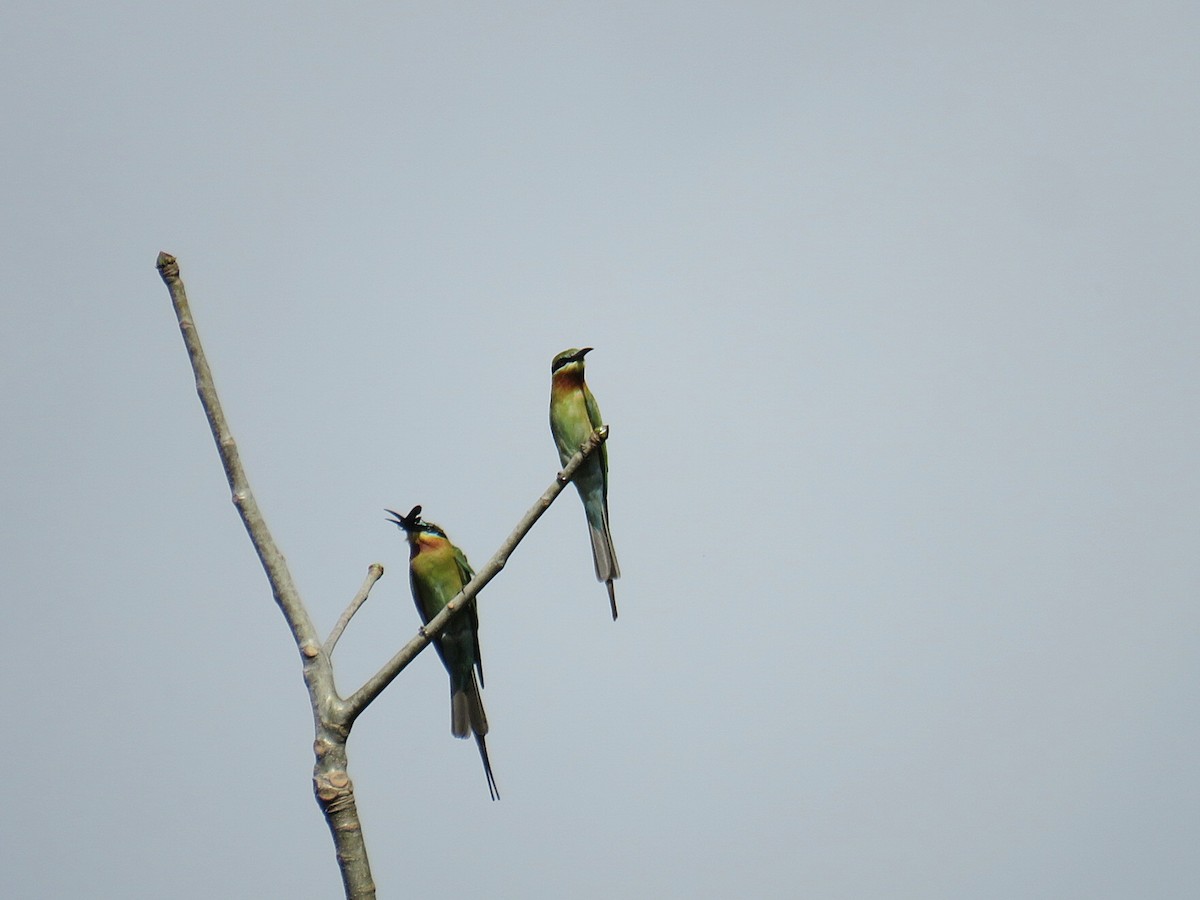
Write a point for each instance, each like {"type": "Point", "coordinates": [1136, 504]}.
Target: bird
{"type": "Point", "coordinates": [574, 415]}
{"type": "Point", "coordinates": [438, 571]}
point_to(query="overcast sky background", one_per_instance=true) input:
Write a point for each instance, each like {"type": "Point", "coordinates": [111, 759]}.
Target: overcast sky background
{"type": "Point", "coordinates": [896, 327]}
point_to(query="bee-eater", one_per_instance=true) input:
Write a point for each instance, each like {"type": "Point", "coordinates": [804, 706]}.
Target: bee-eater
{"type": "Point", "coordinates": [574, 415]}
{"type": "Point", "coordinates": [438, 571]}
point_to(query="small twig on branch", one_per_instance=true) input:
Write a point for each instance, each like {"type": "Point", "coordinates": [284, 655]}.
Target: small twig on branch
{"type": "Point", "coordinates": [374, 573]}
{"type": "Point", "coordinates": [360, 699]}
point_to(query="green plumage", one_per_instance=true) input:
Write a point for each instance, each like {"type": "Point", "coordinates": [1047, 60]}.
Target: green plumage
{"type": "Point", "coordinates": [574, 415]}
{"type": "Point", "coordinates": [438, 571]}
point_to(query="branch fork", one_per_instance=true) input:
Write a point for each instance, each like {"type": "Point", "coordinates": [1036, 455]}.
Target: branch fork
{"type": "Point", "coordinates": [333, 716]}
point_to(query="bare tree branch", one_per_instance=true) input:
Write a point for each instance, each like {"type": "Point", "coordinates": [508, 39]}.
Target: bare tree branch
{"type": "Point", "coordinates": [273, 562]}
{"type": "Point", "coordinates": [374, 573]}
{"type": "Point", "coordinates": [331, 782]}
{"type": "Point", "coordinates": [360, 699]}
{"type": "Point", "coordinates": [333, 717]}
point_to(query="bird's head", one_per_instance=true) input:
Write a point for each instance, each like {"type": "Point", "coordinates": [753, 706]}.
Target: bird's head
{"type": "Point", "coordinates": [414, 527]}
{"type": "Point", "coordinates": [572, 357]}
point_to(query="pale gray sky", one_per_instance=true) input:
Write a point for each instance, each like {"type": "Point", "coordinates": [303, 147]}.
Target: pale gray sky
{"type": "Point", "coordinates": [896, 326]}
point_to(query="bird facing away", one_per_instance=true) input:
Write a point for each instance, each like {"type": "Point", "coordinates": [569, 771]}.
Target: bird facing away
{"type": "Point", "coordinates": [438, 571]}
{"type": "Point", "coordinates": [574, 415]}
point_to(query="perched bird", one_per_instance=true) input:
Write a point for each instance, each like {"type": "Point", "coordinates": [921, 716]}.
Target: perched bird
{"type": "Point", "coordinates": [574, 415]}
{"type": "Point", "coordinates": [438, 571]}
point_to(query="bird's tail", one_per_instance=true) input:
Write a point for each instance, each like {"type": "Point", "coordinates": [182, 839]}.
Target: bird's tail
{"type": "Point", "coordinates": [487, 767]}
{"type": "Point", "coordinates": [467, 716]}
{"type": "Point", "coordinates": [466, 711]}
{"type": "Point", "coordinates": [603, 554]}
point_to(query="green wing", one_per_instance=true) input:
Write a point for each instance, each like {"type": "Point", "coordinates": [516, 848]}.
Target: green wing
{"type": "Point", "coordinates": [466, 573]}
{"type": "Point", "coordinates": [593, 411]}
